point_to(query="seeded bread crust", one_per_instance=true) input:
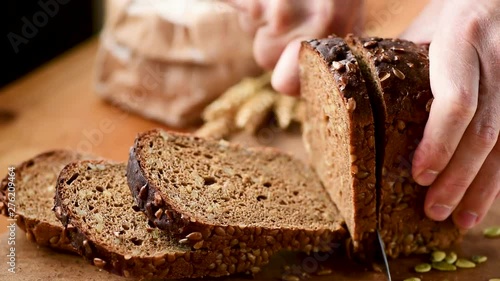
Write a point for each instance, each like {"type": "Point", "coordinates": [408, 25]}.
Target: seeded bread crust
{"type": "Point", "coordinates": [339, 133]}
{"type": "Point", "coordinates": [200, 233]}
{"type": "Point", "coordinates": [400, 71]}
{"type": "Point", "coordinates": [30, 175]}
{"type": "Point", "coordinates": [159, 255]}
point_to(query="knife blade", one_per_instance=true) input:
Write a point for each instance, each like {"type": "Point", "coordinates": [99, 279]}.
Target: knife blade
{"type": "Point", "coordinates": [381, 247]}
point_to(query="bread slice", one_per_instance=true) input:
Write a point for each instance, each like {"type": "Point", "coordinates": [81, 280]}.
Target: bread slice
{"type": "Point", "coordinates": [215, 195]}
{"type": "Point", "coordinates": [93, 201]}
{"type": "Point", "coordinates": [397, 72]}
{"type": "Point", "coordinates": [339, 133]}
{"type": "Point", "coordinates": [33, 198]}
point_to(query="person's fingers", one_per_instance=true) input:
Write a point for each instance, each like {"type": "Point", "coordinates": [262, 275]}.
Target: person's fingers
{"type": "Point", "coordinates": [475, 146]}
{"type": "Point", "coordinates": [447, 152]}
{"type": "Point", "coordinates": [286, 73]}
{"type": "Point", "coordinates": [481, 194]}
{"type": "Point", "coordinates": [286, 22]}
{"type": "Point", "coordinates": [455, 85]}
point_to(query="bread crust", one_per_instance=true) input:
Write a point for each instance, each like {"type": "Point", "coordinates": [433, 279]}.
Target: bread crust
{"type": "Point", "coordinates": [356, 196]}
{"type": "Point", "coordinates": [171, 265]}
{"type": "Point", "coordinates": [39, 230]}
{"type": "Point", "coordinates": [213, 236]}
{"type": "Point", "coordinates": [401, 70]}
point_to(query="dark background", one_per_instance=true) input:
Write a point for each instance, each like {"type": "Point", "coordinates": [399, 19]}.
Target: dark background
{"type": "Point", "coordinates": [41, 30]}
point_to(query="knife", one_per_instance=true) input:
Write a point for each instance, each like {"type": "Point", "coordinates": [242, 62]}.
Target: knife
{"type": "Point", "coordinates": [384, 256]}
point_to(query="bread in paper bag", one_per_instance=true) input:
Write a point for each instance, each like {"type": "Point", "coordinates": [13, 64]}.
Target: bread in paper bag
{"type": "Point", "coordinates": [166, 60]}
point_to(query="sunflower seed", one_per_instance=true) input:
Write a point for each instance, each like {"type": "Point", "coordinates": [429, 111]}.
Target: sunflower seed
{"type": "Point", "coordinates": [158, 213]}
{"type": "Point", "coordinates": [198, 245]}
{"type": "Point", "coordinates": [443, 266]}
{"type": "Point", "coordinates": [479, 259]}
{"type": "Point", "coordinates": [143, 192]}
{"type": "Point", "coordinates": [424, 267]}
{"type": "Point", "coordinates": [398, 73]}
{"type": "Point", "coordinates": [464, 263]}
{"type": "Point", "coordinates": [492, 232]}
{"type": "Point", "coordinates": [438, 256]}
{"type": "Point", "coordinates": [451, 258]}
{"type": "Point", "coordinates": [194, 236]}
{"type": "Point", "coordinates": [385, 76]}
{"type": "Point", "coordinates": [396, 49]}
{"type": "Point", "coordinates": [370, 44]}
{"type": "Point", "coordinates": [338, 65]}
{"type": "Point", "coordinates": [401, 125]}
{"type": "Point", "coordinates": [99, 262]}
{"type": "Point", "coordinates": [54, 239]}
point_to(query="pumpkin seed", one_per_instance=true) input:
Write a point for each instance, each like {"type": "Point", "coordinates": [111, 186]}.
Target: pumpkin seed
{"type": "Point", "coordinates": [443, 266]}
{"type": "Point", "coordinates": [413, 279]}
{"type": "Point", "coordinates": [438, 256]}
{"type": "Point", "coordinates": [424, 267]}
{"type": "Point", "coordinates": [451, 258]}
{"type": "Point", "coordinates": [464, 263]}
{"type": "Point", "coordinates": [492, 232]}
{"type": "Point", "coordinates": [479, 259]}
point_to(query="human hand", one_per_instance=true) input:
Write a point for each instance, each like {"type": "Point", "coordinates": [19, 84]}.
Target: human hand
{"type": "Point", "coordinates": [280, 26]}
{"type": "Point", "coordinates": [459, 155]}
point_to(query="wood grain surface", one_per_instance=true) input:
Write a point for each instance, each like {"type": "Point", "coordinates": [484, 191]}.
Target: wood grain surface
{"type": "Point", "coordinates": [56, 107]}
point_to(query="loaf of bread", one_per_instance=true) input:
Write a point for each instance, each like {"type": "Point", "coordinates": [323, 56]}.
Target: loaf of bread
{"type": "Point", "coordinates": [215, 195]}
{"type": "Point", "coordinates": [398, 72]}
{"type": "Point", "coordinates": [33, 198]}
{"type": "Point", "coordinates": [94, 203]}
{"type": "Point", "coordinates": [352, 87]}
{"type": "Point", "coordinates": [339, 133]}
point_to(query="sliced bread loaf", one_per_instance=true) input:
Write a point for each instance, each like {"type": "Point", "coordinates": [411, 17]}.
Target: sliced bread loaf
{"type": "Point", "coordinates": [93, 201]}
{"type": "Point", "coordinates": [339, 133]}
{"type": "Point", "coordinates": [32, 198]}
{"type": "Point", "coordinates": [397, 72]}
{"type": "Point", "coordinates": [216, 195]}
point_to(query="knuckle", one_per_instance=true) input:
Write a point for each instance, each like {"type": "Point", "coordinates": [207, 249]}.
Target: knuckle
{"type": "Point", "coordinates": [486, 135]}
{"type": "Point", "coordinates": [454, 188]}
{"type": "Point", "coordinates": [458, 183]}
{"type": "Point", "coordinates": [473, 27]}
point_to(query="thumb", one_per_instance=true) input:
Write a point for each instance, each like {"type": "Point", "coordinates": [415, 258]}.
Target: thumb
{"type": "Point", "coordinates": [286, 73]}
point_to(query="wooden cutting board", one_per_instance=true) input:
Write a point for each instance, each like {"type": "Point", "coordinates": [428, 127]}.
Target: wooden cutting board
{"type": "Point", "coordinates": [39, 263]}
{"type": "Point", "coordinates": [55, 107]}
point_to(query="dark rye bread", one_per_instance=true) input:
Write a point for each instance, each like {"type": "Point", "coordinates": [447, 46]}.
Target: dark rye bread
{"type": "Point", "coordinates": [93, 201]}
{"type": "Point", "coordinates": [35, 186]}
{"type": "Point", "coordinates": [397, 73]}
{"type": "Point", "coordinates": [215, 195]}
{"type": "Point", "coordinates": [339, 132]}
